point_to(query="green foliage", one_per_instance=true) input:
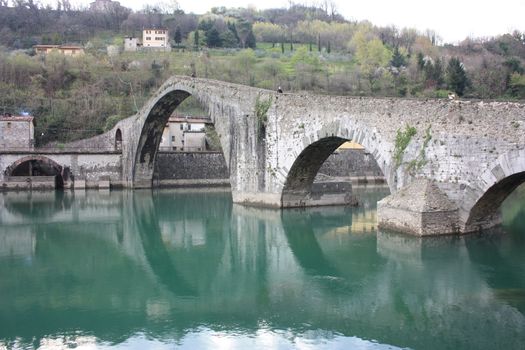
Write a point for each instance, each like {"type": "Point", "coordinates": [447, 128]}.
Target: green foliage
{"type": "Point", "coordinates": [177, 37]}
{"type": "Point", "coordinates": [420, 161]}
{"type": "Point", "coordinates": [212, 138]}
{"type": "Point", "coordinates": [517, 85]}
{"type": "Point", "coordinates": [398, 60]}
{"type": "Point", "coordinates": [457, 79]}
{"type": "Point", "coordinates": [261, 110]}
{"type": "Point", "coordinates": [111, 121]}
{"type": "Point", "coordinates": [213, 38]}
{"type": "Point", "coordinates": [402, 140]}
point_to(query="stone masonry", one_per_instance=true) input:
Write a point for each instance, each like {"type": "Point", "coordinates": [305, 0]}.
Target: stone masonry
{"type": "Point", "coordinates": [471, 152]}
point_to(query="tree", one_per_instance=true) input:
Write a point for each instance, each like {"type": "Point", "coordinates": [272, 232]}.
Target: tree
{"type": "Point", "coordinates": [517, 85]}
{"type": "Point", "coordinates": [213, 38]}
{"type": "Point", "coordinates": [398, 60]}
{"type": "Point", "coordinates": [371, 55]}
{"type": "Point", "coordinates": [178, 36]}
{"type": "Point", "coordinates": [457, 79]}
{"type": "Point", "coordinates": [196, 40]}
{"type": "Point", "coordinates": [228, 39]}
{"type": "Point", "coordinates": [250, 40]}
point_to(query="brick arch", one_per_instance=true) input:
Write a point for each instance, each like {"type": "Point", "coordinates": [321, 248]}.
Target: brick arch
{"type": "Point", "coordinates": [492, 188]}
{"type": "Point", "coordinates": [297, 187]}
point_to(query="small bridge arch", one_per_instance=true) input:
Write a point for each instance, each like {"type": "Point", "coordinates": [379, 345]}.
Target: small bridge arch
{"type": "Point", "coordinates": [297, 189]}
{"type": "Point", "coordinates": [494, 186]}
{"type": "Point", "coordinates": [38, 165]}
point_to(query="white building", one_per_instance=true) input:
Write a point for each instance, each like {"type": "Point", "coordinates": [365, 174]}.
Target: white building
{"type": "Point", "coordinates": [184, 134]}
{"type": "Point", "coordinates": [156, 39]}
{"type": "Point", "coordinates": [131, 44]}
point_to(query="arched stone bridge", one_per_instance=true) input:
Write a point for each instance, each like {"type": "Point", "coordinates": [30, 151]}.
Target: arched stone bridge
{"type": "Point", "coordinates": [462, 161]}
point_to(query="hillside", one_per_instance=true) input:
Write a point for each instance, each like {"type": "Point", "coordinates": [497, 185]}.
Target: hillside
{"type": "Point", "coordinates": [300, 48]}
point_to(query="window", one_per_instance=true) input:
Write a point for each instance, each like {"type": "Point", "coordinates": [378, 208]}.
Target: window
{"type": "Point", "coordinates": [182, 127]}
{"type": "Point", "coordinates": [189, 126]}
{"type": "Point", "coordinates": [173, 139]}
{"type": "Point", "coordinates": [148, 38]}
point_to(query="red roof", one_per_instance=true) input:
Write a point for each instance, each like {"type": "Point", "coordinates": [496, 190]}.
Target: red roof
{"type": "Point", "coordinates": [17, 118]}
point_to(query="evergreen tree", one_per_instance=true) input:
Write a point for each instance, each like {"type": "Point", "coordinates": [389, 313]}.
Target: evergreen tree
{"type": "Point", "coordinates": [212, 38]}
{"type": "Point", "coordinates": [196, 40]}
{"type": "Point", "coordinates": [233, 29]}
{"type": "Point", "coordinates": [420, 61]}
{"type": "Point", "coordinates": [457, 79]}
{"type": "Point", "coordinates": [250, 40]}
{"type": "Point", "coordinates": [178, 36]}
{"type": "Point", "coordinates": [398, 60]}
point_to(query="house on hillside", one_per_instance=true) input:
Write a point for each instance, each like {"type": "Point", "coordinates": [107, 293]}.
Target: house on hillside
{"type": "Point", "coordinates": [17, 132]}
{"type": "Point", "coordinates": [184, 134]}
{"type": "Point", "coordinates": [68, 50]}
{"type": "Point", "coordinates": [155, 39]}
{"type": "Point", "coordinates": [131, 44]}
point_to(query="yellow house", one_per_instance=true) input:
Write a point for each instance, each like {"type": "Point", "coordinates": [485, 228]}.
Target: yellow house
{"type": "Point", "coordinates": [351, 145]}
{"type": "Point", "coordinates": [68, 50]}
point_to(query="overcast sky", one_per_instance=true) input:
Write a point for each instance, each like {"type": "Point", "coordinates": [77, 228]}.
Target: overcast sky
{"type": "Point", "coordinates": [453, 20]}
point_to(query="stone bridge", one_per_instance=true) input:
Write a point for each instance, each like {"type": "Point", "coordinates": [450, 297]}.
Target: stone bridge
{"type": "Point", "coordinates": [449, 164]}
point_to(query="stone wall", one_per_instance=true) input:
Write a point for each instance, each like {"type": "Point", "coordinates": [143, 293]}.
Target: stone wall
{"type": "Point", "coordinates": [351, 163]}
{"type": "Point", "coordinates": [181, 169]}
{"type": "Point", "coordinates": [16, 132]}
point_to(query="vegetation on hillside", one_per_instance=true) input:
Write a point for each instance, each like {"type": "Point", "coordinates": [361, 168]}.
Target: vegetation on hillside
{"type": "Point", "coordinates": [300, 48]}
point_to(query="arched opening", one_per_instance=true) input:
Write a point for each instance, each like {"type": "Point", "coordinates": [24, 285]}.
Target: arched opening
{"type": "Point", "coordinates": [307, 186]}
{"type": "Point", "coordinates": [151, 134]}
{"type": "Point", "coordinates": [179, 146]}
{"type": "Point", "coordinates": [118, 140]}
{"type": "Point", "coordinates": [486, 212]}
{"type": "Point", "coordinates": [38, 170]}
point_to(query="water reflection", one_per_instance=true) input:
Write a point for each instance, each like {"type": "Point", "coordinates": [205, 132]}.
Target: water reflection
{"type": "Point", "coordinates": [142, 269]}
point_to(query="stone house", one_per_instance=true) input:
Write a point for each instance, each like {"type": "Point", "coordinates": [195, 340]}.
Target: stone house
{"type": "Point", "coordinates": [17, 132]}
{"type": "Point", "coordinates": [131, 44]}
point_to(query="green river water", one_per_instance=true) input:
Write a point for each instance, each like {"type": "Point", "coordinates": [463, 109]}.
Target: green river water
{"type": "Point", "coordinates": [185, 269]}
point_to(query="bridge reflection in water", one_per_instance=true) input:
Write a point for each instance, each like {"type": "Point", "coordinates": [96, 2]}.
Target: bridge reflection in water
{"type": "Point", "coordinates": [157, 269]}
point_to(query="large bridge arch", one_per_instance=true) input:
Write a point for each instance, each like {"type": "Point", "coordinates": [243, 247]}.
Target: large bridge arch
{"type": "Point", "coordinates": [227, 105]}
{"type": "Point", "coordinates": [151, 134]}
{"type": "Point", "coordinates": [318, 145]}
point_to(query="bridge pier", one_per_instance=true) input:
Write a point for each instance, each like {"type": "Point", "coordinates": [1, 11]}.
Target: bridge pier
{"type": "Point", "coordinates": [420, 209]}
